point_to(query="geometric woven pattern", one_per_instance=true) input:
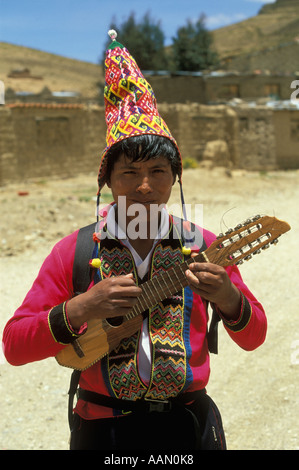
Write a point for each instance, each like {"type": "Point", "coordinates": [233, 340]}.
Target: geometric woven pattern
{"type": "Point", "coordinates": [166, 323]}
{"type": "Point", "coordinates": [122, 368]}
{"type": "Point", "coordinates": [116, 260]}
{"type": "Point", "coordinates": [130, 103]}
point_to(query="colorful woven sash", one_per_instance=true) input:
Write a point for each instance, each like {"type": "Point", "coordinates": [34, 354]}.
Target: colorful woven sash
{"type": "Point", "coordinates": [165, 323]}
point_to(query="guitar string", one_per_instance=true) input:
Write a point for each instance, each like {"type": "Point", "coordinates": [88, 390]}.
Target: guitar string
{"type": "Point", "coordinates": [145, 301]}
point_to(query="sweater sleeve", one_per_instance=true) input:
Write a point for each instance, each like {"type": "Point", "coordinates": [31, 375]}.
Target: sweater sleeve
{"type": "Point", "coordinates": [249, 330]}
{"type": "Point", "coordinates": [39, 328]}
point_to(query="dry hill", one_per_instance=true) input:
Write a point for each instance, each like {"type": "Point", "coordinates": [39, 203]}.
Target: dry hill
{"type": "Point", "coordinates": [268, 41]}
{"type": "Point", "coordinates": [47, 70]}
{"type": "Point", "coordinates": [268, 38]}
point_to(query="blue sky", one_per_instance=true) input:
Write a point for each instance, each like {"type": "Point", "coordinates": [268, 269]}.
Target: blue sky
{"type": "Point", "coordinates": [78, 28]}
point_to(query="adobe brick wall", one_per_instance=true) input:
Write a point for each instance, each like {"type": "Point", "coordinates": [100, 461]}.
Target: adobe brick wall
{"type": "Point", "coordinates": [43, 140]}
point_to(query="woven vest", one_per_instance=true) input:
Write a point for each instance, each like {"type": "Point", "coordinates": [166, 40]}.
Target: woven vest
{"type": "Point", "coordinates": [168, 325]}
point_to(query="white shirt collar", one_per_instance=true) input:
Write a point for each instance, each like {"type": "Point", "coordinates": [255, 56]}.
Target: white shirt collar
{"type": "Point", "coordinates": [116, 232]}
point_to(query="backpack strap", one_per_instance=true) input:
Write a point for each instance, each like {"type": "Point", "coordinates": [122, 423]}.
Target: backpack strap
{"type": "Point", "coordinates": [81, 281]}
{"type": "Point", "coordinates": [83, 253]}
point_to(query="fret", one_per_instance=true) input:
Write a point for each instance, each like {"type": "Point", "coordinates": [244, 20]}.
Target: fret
{"type": "Point", "coordinates": [132, 313]}
{"type": "Point", "coordinates": [153, 283]}
{"type": "Point", "coordinates": [144, 286]}
{"type": "Point", "coordinates": [154, 289]}
{"type": "Point", "coordinates": [140, 300]}
{"type": "Point", "coordinates": [138, 308]}
{"type": "Point", "coordinates": [170, 278]}
{"type": "Point", "coordinates": [160, 287]}
{"type": "Point", "coordinates": [183, 273]}
{"type": "Point", "coordinates": [163, 277]}
{"type": "Point", "coordinates": [177, 278]}
{"type": "Point", "coordinates": [200, 258]}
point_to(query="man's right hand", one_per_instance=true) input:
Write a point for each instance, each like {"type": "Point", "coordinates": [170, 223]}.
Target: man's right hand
{"type": "Point", "coordinates": [111, 297]}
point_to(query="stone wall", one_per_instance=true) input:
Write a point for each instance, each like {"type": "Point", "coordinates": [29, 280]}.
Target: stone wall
{"type": "Point", "coordinates": [187, 88]}
{"type": "Point", "coordinates": [194, 125]}
{"type": "Point", "coordinates": [42, 140]}
{"type": "Point", "coordinates": [256, 137]}
{"type": "Point", "coordinates": [8, 147]}
{"type": "Point", "coordinates": [286, 124]}
{"type": "Point", "coordinates": [207, 89]}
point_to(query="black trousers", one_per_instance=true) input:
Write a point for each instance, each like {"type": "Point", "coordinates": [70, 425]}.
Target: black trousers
{"type": "Point", "coordinates": [193, 427]}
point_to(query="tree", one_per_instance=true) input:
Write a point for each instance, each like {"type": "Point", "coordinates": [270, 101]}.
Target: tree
{"type": "Point", "coordinates": [144, 40]}
{"type": "Point", "coordinates": [192, 47]}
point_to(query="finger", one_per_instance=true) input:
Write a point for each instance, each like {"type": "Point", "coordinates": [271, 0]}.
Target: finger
{"type": "Point", "coordinates": [119, 307]}
{"type": "Point", "coordinates": [126, 292]}
{"type": "Point", "coordinates": [127, 302]}
{"type": "Point", "coordinates": [191, 277]}
{"type": "Point", "coordinates": [117, 312]}
{"type": "Point", "coordinates": [121, 281]}
{"type": "Point", "coordinates": [200, 278]}
{"type": "Point", "coordinates": [205, 267]}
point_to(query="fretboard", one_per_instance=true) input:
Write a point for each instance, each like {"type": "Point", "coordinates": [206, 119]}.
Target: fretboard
{"type": "Point", "coordinates": [163, 286]}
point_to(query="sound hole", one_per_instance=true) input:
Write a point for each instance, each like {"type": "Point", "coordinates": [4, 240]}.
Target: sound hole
{"type": "Point", "coordinates": [115, 321]}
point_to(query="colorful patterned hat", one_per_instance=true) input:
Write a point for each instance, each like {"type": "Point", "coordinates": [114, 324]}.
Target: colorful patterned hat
{"type": "Point", "coordinates": [130, 103]}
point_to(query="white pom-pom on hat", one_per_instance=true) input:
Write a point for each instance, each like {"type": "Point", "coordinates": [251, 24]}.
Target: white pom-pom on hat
{"type": "Point", "coordinates": [113, 34]}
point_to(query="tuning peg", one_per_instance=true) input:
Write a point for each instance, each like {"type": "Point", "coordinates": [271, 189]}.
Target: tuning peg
{"type": "Point", "coordinates": [256, 252]}
{"type": "Point", "coordinates": [266, 246]}
{"type": "Point", "coordinates": [256, 217]}
{"type": "Point", "coordinates": [274, 242]}
{"type": "Point", "coordinates": [239, 262]}
{"type": "Point", "coordinates": [248, 257]}
{"type": "Point", "coordinates": [238, 226]}
{"type": "Point", "coordinates": [229, 231]}
{"type": "Point", "coordinates": [248, 221]}
{"type": "Point", "coordinates": [220, 236]}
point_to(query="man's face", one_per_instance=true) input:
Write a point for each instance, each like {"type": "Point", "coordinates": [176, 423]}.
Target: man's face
{"type": "Point", "coordinates": [146, 183]}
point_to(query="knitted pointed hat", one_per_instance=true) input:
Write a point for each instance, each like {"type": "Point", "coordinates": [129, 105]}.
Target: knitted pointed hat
{"type": "Point", "coordinates": [130, 103]}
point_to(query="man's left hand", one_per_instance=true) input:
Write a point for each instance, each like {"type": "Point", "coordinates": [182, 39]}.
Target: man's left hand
{"type": "Point", "coordinates": [212, 283]}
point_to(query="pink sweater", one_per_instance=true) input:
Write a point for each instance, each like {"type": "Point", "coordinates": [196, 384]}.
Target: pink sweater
{"type": "Point", "coordinates": [29, 335]}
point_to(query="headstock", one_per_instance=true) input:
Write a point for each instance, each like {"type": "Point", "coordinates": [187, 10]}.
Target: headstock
{"type": "Point", "coordinates": [245, 240]}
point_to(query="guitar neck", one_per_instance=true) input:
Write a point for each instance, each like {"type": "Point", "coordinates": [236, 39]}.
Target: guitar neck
{"type": "Point", "coordinates": [245, 240]}
{"type": "Point", "coordinates": [163, 285]}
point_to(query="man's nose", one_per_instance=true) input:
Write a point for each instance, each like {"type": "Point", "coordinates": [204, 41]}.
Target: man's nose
{"type": "Point", "coordinates": [144, 185]}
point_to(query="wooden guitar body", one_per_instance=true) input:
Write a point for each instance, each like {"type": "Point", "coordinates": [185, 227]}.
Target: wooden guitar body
{"type": "Point", "coordinates": [100, 338]}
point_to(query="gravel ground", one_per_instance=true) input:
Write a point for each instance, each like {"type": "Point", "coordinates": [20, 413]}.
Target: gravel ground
{"type": "Point", "coordinates": [255, 391]}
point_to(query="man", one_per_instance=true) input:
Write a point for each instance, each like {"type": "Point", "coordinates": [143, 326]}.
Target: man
{"type": "Point", "coordinates": [149, 391]}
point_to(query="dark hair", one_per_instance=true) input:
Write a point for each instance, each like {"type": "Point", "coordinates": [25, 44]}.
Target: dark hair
{"type": "Point", "coordinates": [143, 147]}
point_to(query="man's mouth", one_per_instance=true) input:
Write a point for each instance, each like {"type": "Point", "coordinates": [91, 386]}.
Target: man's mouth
{"type": "Point", "coordinates": [144, 202]}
